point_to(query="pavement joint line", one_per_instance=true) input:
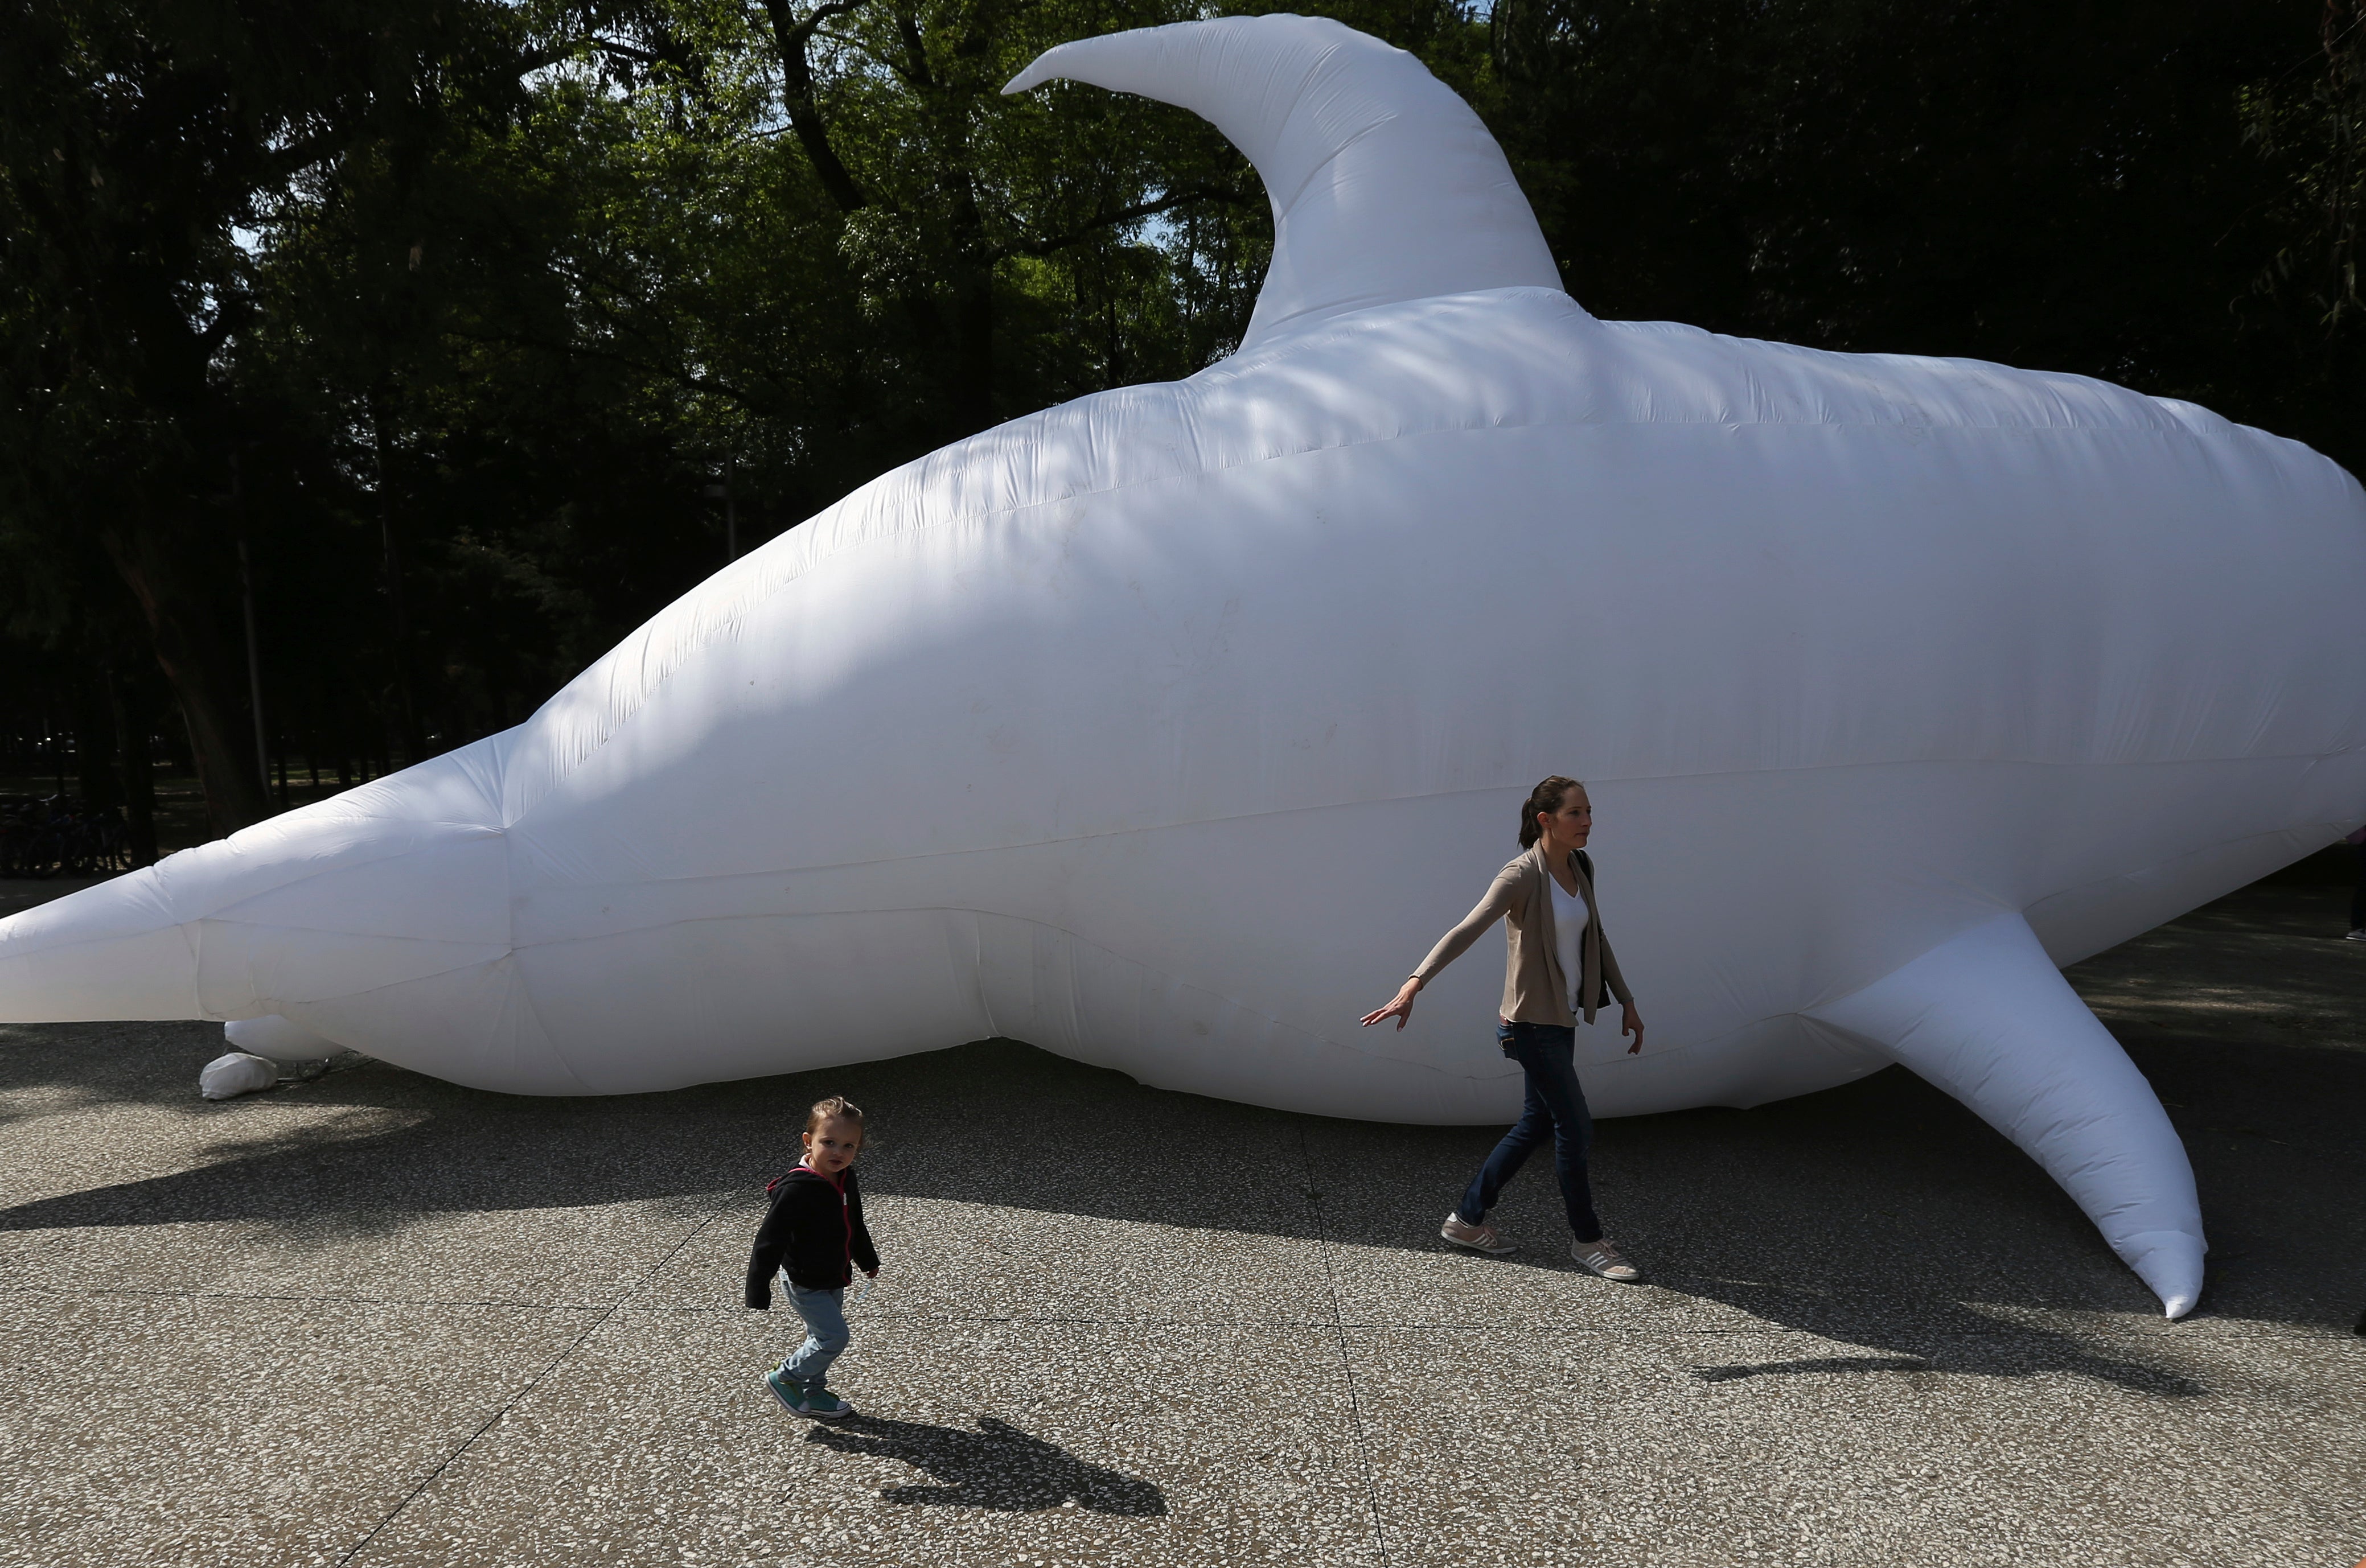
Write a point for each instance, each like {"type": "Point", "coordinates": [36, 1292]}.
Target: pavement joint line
{"type": "Point", "coordinates": [1346, 1361]}
{"type": "Point", "coordinates": [534, 1383]}
{"type": "Point", "coordinates": [2000, 1331]}
{"type": "Point", "coordinates": [160, 1294]}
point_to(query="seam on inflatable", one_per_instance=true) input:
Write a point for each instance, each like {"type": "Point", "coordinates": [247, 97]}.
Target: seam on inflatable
{"type": "Point", "coordinates": [1662, 1053]}
{"type": "Point", "coordinates": [524, 994]}
{"type": "Point", "coordinates": [977, 980]}
{"type": "Point", "coordinates": [362, 935]}
{"type": "Point", "coordinates": [390, 985]}
{"type": "Point", "coordinates": [810, 869]}
{"type": "Point", "coordinates": [378, 855]}
{"type": "Point", "coordinates": [188, 929]}
{"type": "Point", "coordinates": [188, 943]}
{"type": "Point", "coordinates": [974, 913]}
{"type": "Point", "coordinates": [1075, 1023]}
{"type": "Point", "coordinates": [652, 671]}
{"type": "Point", "coordinates": [1298, 192]}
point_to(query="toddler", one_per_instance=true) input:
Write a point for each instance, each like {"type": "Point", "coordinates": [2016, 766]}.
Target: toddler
{"type": "Point", "coordinates": [815, 1234]}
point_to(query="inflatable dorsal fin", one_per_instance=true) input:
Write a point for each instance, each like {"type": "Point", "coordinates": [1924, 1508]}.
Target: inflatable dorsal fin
{"type": "Point", "coordinates": [1385, 186]}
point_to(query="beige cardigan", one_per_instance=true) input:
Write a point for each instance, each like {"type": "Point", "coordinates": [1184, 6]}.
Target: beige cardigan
{"type": "Point", "coordinates": [1535, 990]}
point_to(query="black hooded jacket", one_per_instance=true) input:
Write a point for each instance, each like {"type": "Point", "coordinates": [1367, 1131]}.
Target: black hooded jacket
{"type": "Point", "coordinates": [816, 1231]}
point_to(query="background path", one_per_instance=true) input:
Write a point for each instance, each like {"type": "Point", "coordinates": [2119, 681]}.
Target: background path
{"type": "Point", "coordinates": [376, 1320]}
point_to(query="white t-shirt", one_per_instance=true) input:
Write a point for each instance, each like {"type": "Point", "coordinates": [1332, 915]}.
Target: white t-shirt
{"type": "Point", "coordinates": [1569, 916]}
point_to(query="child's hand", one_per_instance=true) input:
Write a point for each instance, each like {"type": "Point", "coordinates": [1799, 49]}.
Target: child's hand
{"type": "Point", "coordinates": [872, 1273]}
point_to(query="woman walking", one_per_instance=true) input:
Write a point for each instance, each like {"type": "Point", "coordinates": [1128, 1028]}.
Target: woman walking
{"type": "Point", "coordinates": [1559, 968]}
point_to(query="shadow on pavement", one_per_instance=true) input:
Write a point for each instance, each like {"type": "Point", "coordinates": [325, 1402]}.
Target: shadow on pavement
{"type": "Point", "coordinates": [997, 1466]}
{"type": "Point", "coordinates": [2127, 1374]}
{"type": "Point", "coordinates": [1941, 1338]}
{"type": "Point", "coordinates": [1815, 1364]}
{"type": "Point", "coordinates": [2245, 1016]}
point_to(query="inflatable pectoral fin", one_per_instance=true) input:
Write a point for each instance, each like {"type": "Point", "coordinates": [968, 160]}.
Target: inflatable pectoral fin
{"type": "Point", "coordinates": [1987, 1017]}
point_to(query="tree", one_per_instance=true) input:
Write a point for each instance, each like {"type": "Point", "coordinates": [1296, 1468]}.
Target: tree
{"type": "Point", "coordinates": [456, 311]}
{"type": "Point", "coordinates": [555, 327]}
{"type": "Point", "coordinates": [2062, 187]}
{"type": "Point", "coordinates": [2308, 123]}
{"type": "Point", "coordinates": [140, 142]}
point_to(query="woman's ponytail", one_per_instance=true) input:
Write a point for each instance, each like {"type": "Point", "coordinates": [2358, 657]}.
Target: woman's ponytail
{"type": "Point", "coordinates": [1546, 797]}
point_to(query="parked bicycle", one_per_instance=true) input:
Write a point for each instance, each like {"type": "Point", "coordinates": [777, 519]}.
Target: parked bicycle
{"type": "Point", "coordinates": [53, 836]}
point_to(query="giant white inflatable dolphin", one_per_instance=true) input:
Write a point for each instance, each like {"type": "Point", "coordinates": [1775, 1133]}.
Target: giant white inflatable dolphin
{"type": "Point", "coordinates": [1167, 728]}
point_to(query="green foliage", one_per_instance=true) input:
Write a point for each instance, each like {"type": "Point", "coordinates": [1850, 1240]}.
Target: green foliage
{"type": "Point", "coordinates": [455, 312]}
{"type": "Point", "coordinates": [2063, 187]}
{"type": "Point", "coordinates": [140, 145]}
{"type": "Point", "coordinates": [2312, 125]}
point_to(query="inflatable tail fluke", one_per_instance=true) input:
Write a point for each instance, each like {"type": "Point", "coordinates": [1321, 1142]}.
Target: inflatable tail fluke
{"type": "Point", "coordinates": [399, 883]}
{"type": "Point", "coordinates": [1385, 186]}
{"type": "Point", "coordinates": [1987, 1017]}
{"type": "Point", "coordinates": [111, 951]}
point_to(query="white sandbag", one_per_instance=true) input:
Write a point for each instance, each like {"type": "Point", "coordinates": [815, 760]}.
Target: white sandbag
{"type": "Point", "coordinates": [228, 1077]}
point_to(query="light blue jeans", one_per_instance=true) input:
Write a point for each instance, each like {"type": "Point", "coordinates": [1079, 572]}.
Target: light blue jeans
{"type": "Point", "coordinates": [826, 1334]}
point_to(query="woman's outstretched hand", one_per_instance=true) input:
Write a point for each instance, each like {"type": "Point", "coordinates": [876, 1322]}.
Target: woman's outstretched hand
{"type": "Point", "coordinates": [1631, 1022]}
{"type": "Point", "coordinates": [1401, 1009]}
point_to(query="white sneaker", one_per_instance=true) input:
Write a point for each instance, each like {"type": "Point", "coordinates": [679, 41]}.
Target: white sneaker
{"type": "Point", "coordinates": [2357, 936]}
{"type": "Point", "coordinates": [1478, 1238]}
{"type": "Point", "coordinates": [1606, 1260]}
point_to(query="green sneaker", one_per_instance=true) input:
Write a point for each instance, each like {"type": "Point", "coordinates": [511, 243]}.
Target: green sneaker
{"type": "Point", "coordinates": [823, 1406]}
{"type": "Point", "coordinates": [790, 1393]}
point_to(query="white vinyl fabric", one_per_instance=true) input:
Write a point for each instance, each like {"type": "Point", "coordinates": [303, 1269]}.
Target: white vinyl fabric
{"type": "Point", "coordinates": [1166, 729]}
{"type": "Point", "coordinates": [273, 1037]}
{"type": "Point", "coordinates": [1385, 186]}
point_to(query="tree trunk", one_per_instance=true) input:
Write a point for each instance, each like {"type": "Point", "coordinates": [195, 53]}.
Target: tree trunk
{"type": "Point", "coordinates": [94, 768]}
{"type": "Point", "coordinates": [973, 307]}
{"type": "Point", "coordinates": [973, 261]}
{"type": "Point", "coordinates": [138, 774]}
{"type": "Point", "coordinates": [791, 34]}
{"type": "Point", "coordinates": [203, 676]}
{"type": "Point", "coordinates": [414, 739]}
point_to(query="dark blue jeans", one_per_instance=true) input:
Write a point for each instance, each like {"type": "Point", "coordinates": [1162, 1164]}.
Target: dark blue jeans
{"type": "Point", "coordinates": [1555, 1108]}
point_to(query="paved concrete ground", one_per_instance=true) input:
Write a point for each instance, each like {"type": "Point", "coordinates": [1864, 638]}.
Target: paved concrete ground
{"type": "Point", "coordinates": [375, 1319]}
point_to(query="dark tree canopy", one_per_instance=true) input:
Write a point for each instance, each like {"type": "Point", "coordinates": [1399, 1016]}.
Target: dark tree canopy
{"type": "Point", "coordinates": [2078, 187]}
{"type": "Point", "coordinates": [454, 337]}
